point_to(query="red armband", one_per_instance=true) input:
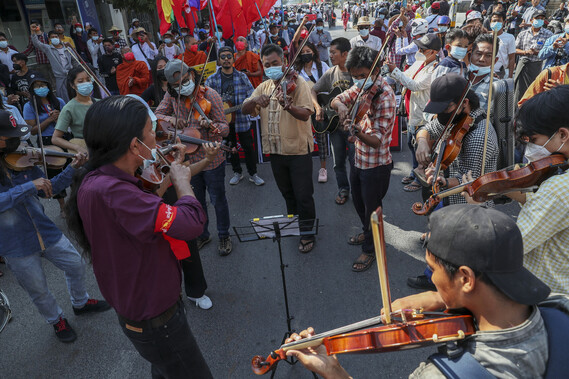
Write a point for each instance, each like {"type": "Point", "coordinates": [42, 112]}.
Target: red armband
{"type": "Point", "coordinates": [164, 219]}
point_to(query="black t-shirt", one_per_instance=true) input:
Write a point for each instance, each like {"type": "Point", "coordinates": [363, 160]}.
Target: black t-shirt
{"type": "Point", "coordinates": [227, 89]}
{"type": "Point", "coordinates": [22, 83]}
{"type": "Point", "coordinates": [106, 63]}
{"type": "Point", "coordinates": [278, 41]}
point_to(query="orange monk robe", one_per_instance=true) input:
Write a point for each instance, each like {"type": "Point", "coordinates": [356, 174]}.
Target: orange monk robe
{"type": "Point", "coordinates": [193, 59]}
{"type": "Point", "coordinates": [136, 70]}
{"type": "Point", "coordinates": [250, 62]}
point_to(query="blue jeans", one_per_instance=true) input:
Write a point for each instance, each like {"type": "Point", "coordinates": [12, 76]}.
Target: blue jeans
{"type": "Point", "coordinates": [214, 181]}
{"type": "Point", "coordinates": [341, 149]}
{"type": "Point", "coordinates": [411, 132]}
{"type": "Point", "coordinates": [29, 273]}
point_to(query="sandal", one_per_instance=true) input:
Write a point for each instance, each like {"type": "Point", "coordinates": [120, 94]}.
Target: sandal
{"type": "Point", "coordinates": [342, 196]}
{"type": "Point", "coordinates": [306, 246]}
{"type": "Point", "coordinates": [407, 180]}
{"type": "Point", "coordinates": [358, 239]}
{"type": "Point", "coordinates": [423, 237]}
{"type": "Point", "coordinates": [412, 187]}
{"type": "Point", "coordinates": [365, 262]}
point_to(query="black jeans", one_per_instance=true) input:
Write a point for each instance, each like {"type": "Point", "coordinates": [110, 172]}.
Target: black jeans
{"type": "Point", "coordinates": [293, 175]}
{"type": "Point", "coordinates": [171, 348]}
{"type": "Point", "coordinates": [246, 142]}
{"type": "Point", "coordinates": [342, 149]}
{"type": "Point", "coordinates": [368, 189]}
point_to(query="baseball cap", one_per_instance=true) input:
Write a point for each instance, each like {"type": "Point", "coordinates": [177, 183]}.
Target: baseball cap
{"type": "Point", "coordinates": [474, 15]}
{"type": "Point", "coordinates": [134, 20]}
{"type": "Point", "coordinates": [173, 67]}
{"type": "Point", "coordinates": [539, 12]}
{"type": "Point", "coordinates": [444, 90]}
{"type": "Point", "coordinates": [9, 127]}
{"type": "Point", "coordinates": [489, 242]}
{"type": "Point", "coordinates": [436, 5]}
{"type": "Point", "coordinates": [429, 41]}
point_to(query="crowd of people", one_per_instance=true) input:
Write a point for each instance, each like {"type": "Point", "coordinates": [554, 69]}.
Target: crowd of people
{"type": "Point", "coordinates": [107, 98]}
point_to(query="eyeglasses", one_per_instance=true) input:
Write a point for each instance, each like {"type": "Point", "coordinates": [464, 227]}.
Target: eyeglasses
{"type": "Point", "coordinates": [225, 56]}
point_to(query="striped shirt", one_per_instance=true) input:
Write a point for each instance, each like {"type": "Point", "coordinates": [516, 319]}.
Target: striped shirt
{"type": "Point", "coordinates": [544, 223]}
{"type": "Point", "coordinates": [378, 121]}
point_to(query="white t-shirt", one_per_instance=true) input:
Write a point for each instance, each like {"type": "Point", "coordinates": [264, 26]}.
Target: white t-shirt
{"type": "Point", "coordinates": [6, 58]}
{"type": "Point", "coordinates": [170, 52]}
{"type": "Point", "coordinates": [372, 42]}
{"type": "Point", "coordinates": [507, 47]}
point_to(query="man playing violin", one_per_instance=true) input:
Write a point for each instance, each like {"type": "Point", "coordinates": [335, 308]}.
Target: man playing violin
{"type": "Point", "coordinates": [476, 255]}
{"type": "Point", "coordinates": [286, 134]}
{"type": "Point", "coordinates": [212, 128]}
{"type": "Point", "coordinates": [28, 234]}
{"type": "Point", "coordinates": [371, 169]}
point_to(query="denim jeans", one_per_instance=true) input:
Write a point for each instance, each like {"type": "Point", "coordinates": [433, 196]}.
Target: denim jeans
{"type": "Point", "coordinates": [341, 149]}
{"type": "Point", "coordinates": [29, 273]}
{"type": "Point", "coordinates": [246, 142]}
{"type": "Point", "coordinates": [171, 348]}
{"type": "Point", "coordinates": [214, 181]}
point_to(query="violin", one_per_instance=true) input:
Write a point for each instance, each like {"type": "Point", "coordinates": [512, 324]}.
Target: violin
{"type": "Point", "coordinates": [287, 86]}
{"type": "Point", "coordinates": [27, 157]}
{"type": "Point", "coordinates": [153, 176]}
{"type": "Point", "coordinates": [497, 183]}
{"type": "Point", "coordinates": [407, 330]}
{"type": "Point", "coordinates": [190, 137]}
{"type": "Point", "coordinates": [203, 103]}
{"type": "Point", "coordinates": [458, 130]}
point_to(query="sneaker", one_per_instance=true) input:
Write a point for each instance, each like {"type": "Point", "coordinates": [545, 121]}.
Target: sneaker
{"type": "Point", "coordinates": [322, 175]}
{"type": "Point", "coordinates": [235, 179]}
{"type": "Point", "coordinates": [91, 306]}
{"type": "Point", "coordinates": [257, 180]}
{"type": "Point", "coordinates": [224, 248]}
{"type": "Point", "coordinates": [63, 331]}
{"type": "Point", "coordinates": [203, 302]}
{"type": "Point", "coordinates": [203, 241]}
{"type": "Point", "coordinates": [421, 282]}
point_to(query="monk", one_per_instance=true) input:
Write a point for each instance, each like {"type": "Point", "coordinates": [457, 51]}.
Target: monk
{"type": "Point", "coordinates": [191, 56]}
{"type": "Point", "coordinates": [248, 62]}
{"type": "Point", "coordinates": [132, 75]}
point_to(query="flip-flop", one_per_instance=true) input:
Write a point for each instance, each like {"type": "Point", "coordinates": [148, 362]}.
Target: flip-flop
{"type": "Point", "coordinates": [302, 245]}
{"type": "Point", "coordinates": [413, 187]}
{"type": "Point", "coordinates": [407, 180]}
{"type": "Point", "coordinates": [356, 240]}
{"type": "Point", "coordinates": [366, 262]}
{"type": "Point", "coordinates": [342, 196]}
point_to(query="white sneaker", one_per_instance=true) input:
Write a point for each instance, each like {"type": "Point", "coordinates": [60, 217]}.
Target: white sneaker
{"type": "Point", "coordinates": [322, 175]}
{"type": "Point", "coordinates": [203, 302]}
{"type": "Point", "coordinates": [257, 180]}
{"type": "Point", "coordinates": [235, 179]}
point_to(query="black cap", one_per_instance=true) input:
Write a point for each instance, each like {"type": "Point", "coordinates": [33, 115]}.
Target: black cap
{"type": "Point", "coordinates": [9, 127]}
{"type": "Point", "coordinates": [36, 78]}
{"type": "Point", "coordinates": [319, 20]}
{"type": "Point", "coordinates": [444, 90]}
{"type": "Point", "coordinates": [430, 41]}
{"type": "Point", "coordinates": [273, 25]}
{"type": "Point", "coordinates": [539, 12]}
{"type": "Point", "coordinates": [489, 242]}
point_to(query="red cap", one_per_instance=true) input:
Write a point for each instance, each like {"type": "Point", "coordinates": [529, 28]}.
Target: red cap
{"type": "Point", "coordinates": [436, 5]}
{"type": "Point", "coordinates": [78, 24]}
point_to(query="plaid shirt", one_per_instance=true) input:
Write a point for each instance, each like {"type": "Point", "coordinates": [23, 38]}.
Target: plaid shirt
{"type": "Point", "coordinates": [527, 40]}
{"type": "Point", "coordinates": [41, 58]}
{"type": "Point", "coordinates": [544, 223]}
{"type": "Point", "coordinates": [242, 89]}
{"type": "Point", "coordinates": [378, 121]}
{"type": "Point", "coordinates": [169, 107]}
{"type": "Point", "coordinates": [121, 43]}
{"type": "Point", "coordinates": [470, 156]}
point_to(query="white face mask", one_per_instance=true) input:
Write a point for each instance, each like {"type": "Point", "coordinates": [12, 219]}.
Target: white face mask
{"type": "Point", "coordinates": [148, 162]}
{"type": "Point", "coordinates": [535, 152]}
{"type": "Point", "coordinates": [420, 57]}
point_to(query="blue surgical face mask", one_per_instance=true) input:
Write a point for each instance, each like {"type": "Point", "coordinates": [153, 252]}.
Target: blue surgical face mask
{"type": "Point", "coordinates": [41, 91]}
{"type": "Point", "coordinates": [567, 29]}
{"type": "Point", "coordinates": [55, 41]}
{"type": "Point", "coordinates": [85, 89]}
{"type": "Point", "coordinates": [320, 28]}
{"type": "Point", "coordinates": [360, 83]}
{"type": "Point", "coordinates": [364, 32]}
{"type": "Point", "coordinates": [95, 38]}
{"type": "Point", "coordinates": [443, 29]}
{"type": "Point", "coordinates": [188, 88]}
{"type": "Point", "coordinates": [3, 44]}
{"type": "Point", "coordinates": [184, 34]}
{"type": "Point", "coordinates": [218, 34]}
{"type": "Point", "coordinates": [274, 72]}
{"type": "Point", "coordinates": [479, 71]}
{"type": "Point", "coordinates": [78, 30]}
{"type": "Point", "coordinates": [381, 16]}
{"type": "Point", "coordinates": [537, 23]}
{"type": "Point", "coordinates": [148, 162]}
{"type": "Point", "coordinates": [458, 52]}
{"type": "Point", "coordinates": [496, 26]}
{"type": "Point", "coordinates": [167, 40]}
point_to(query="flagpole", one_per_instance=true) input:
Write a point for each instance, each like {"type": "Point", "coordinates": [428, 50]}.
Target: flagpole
{"type": "Point", "coordinates": [261, 18]}
{"type": "Point", "coordinates": [214, 21]}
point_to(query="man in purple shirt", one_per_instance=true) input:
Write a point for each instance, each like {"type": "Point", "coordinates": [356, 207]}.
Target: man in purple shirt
{"type": "Point", "coordinates": [134, 239]}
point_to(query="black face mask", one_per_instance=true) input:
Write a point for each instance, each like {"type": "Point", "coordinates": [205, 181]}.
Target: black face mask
{"type": "Point", "coordinates": [160, 75]}
{"type": "Point", "coordinates": [306, 57]}
{"type": "Point", "coordinates": [11, 145]}
{"type": "Point", "coordinates": [445, 117]}
{"type": "Point", "coordinates": [17, 67]}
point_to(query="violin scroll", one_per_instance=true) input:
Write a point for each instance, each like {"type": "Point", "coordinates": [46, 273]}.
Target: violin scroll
{"type": "Point", "coordinates": [421, 209]}
{"type": "Point", "coordinates": [261, 365]}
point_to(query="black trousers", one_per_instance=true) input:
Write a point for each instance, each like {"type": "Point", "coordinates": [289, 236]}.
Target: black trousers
{"type": "Point", "coordinates": [194, 278]}
{"type": "Point", "coordinates": [369, 187]}
{"type": "Point", "coordinates": [171, 348]}
{"type": "Point", "coordinates": [293, 175]}
{"type": "Point", "coordinates": [246, 142]}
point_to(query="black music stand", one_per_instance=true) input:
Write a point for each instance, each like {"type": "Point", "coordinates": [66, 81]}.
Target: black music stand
{"type": "Point", "coordinates": [277, 227]}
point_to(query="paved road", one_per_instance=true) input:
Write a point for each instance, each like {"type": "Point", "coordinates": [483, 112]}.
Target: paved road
{"type": "Point", "coordinates": [248, 315]}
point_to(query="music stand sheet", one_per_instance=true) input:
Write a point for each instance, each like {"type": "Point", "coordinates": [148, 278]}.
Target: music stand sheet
{"type": "Point", "coordinates": [264, 227]}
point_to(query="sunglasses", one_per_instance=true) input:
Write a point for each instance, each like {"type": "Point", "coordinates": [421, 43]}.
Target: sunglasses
{"type": "Point", "coordinates": [225, 56]}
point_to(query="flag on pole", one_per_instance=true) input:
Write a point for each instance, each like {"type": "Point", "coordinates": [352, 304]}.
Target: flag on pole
{"type": "Point", "coordinates": [168, 11]}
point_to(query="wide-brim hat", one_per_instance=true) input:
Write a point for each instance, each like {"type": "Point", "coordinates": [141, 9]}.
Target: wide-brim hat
{"type": "Point", "coordinates": [136, 31]}
{"type": "Point", "coordinates": [364, 21]}
{"type": "Point", "coordinates": [114, 29]}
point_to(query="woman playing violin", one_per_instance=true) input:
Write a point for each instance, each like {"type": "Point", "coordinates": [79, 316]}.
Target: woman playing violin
{"type": "Point", "coordinates": [511, 341]}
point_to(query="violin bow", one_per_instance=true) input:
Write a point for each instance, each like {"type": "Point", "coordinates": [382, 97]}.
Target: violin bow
{"type": "Point", "coordinates": [85, 67]}
{"type": "Point", "coordinates": [381, 258]}
{"type": "Point", "coordinates": [488, 108]}
{"type": "Point", "coordinates": [42, 150]}
{"type": "Point", "coordinates": [178, 101]}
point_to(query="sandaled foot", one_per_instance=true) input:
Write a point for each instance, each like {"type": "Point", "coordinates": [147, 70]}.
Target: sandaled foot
{"type": "Point", "coordinates": [423, 237]}
{"type": "Point", "coordinates": [363, 262]}
{"type": "Point", "coordinates": [407, 180]}
{"type": "Point", "coordinates": [358, 239]}
{"type": "Point", "coordinates": [306, 245]}
{"type": "Point", "coordinates": [412, 187]}
{"type": "Point", "coordinates": [342, 196]}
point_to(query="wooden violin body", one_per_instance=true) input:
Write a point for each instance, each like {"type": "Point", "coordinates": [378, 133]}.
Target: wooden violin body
{"type": "Point", "coordinates": [27, 157]}
{"type": "Point", "coordinates": [454, 140]}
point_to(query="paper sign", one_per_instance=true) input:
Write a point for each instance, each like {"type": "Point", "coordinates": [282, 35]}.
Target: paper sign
{"type": "Point", "coordinates": [210, 69]}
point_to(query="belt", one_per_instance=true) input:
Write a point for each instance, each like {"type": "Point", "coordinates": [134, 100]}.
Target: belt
{"type": "Point", "coordinates": [152, 323]}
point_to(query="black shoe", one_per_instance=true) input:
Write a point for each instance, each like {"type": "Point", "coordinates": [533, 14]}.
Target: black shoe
{"type": "Point", "coordinates": [92, 305]}
{"type": "Point", "coordinates": [421, 282]}
{"type": "Point", "coordinates": [63, 331]}
{"type": "Point", "coordinates": [225, 246]}
{"type": "Point", "coordinates": [203, 241]}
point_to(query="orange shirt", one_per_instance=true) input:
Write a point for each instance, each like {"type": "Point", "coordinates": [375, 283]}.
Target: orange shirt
{"type": "Point", "coordinates": [136, 70]}
{"type": "Point", "coordinates": [558, 74]}
{"type": "Point", "coordinates": [250, 62]}
{"type": "Point", "coordinates": [192, 59]}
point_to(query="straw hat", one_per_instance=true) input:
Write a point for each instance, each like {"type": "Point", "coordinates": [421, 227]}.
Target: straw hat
{"type": "Point", "coordinates": [364, 21]}
{"type": "Point", "coordinates": [136, 31]}
{"type": "Point", "coordinates": [114, 29]}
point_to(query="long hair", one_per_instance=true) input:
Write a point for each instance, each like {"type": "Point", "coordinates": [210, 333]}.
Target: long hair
{"type": "Point", "coordinates": [110, 125]}
{"type": "Point", "coordinates": [72, 75]}
{"type": "Point", "coordinates": [53, 100]}
{"type": "Point", "coordinates": [158, 91]}
{"type": "Point", "coordinates": [299, 65]}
